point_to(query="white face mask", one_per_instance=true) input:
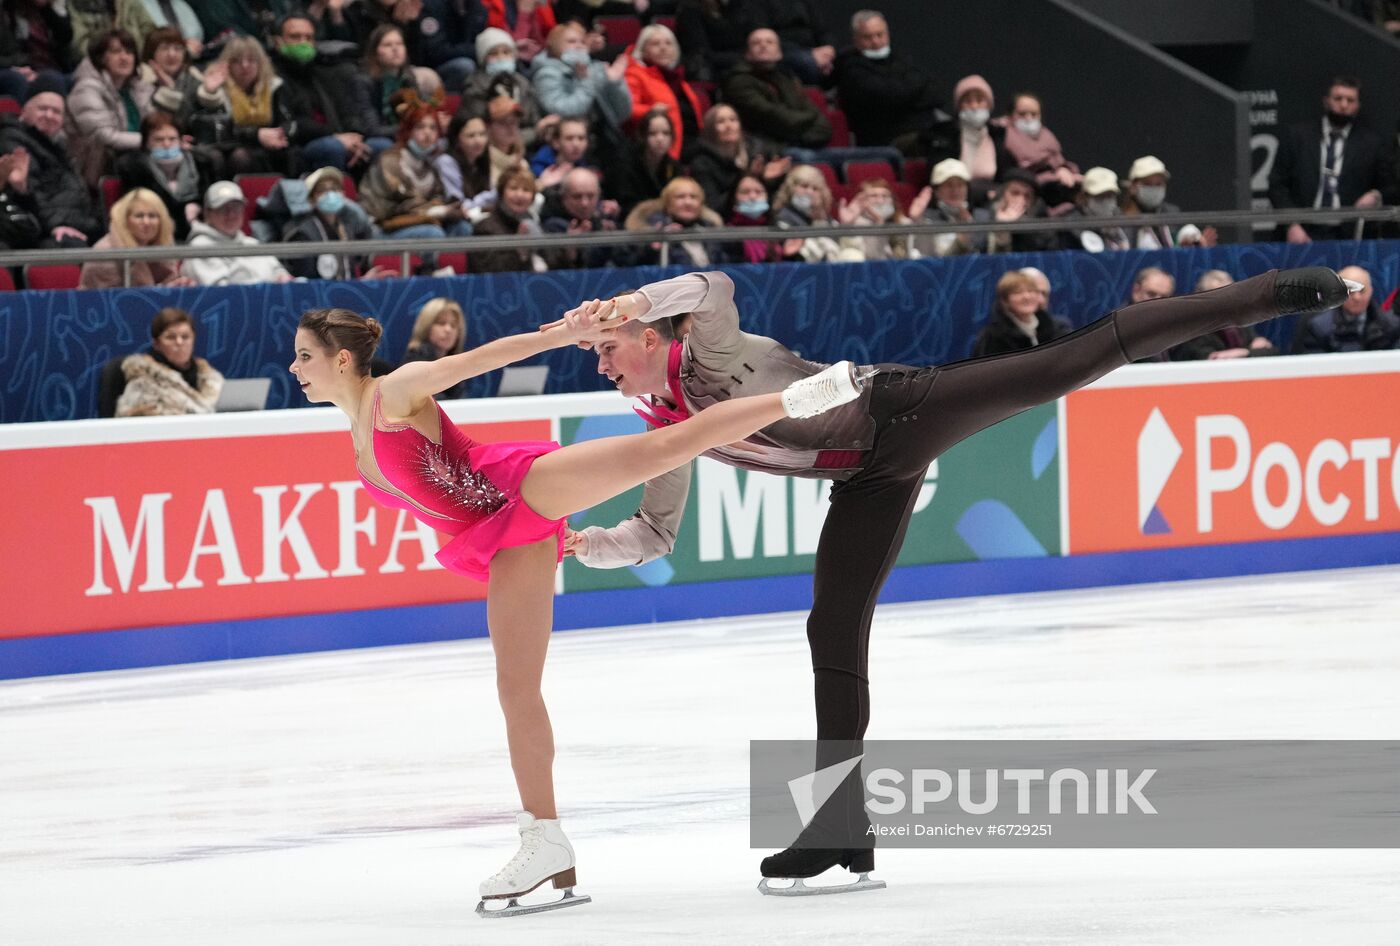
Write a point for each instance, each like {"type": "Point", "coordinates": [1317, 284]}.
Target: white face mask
{"type": "Point", "coordinates": [1104, 205]}
{"type": "Point", "coordinates": [882, 210]}
{"type": "Point", "coordinates": [1030, 127]}
{"type": "Point", "coordinates": [975, 117]}
{"type": "Point", "coordinates": [882, 53]}
{"type": "Point", "coordinates": [1150, 198]}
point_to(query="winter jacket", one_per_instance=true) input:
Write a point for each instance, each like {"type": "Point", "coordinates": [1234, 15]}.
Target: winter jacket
{"type": "Point", "coordinates": [591, 257]}
{"type": "Point", "coordinates": [96, 125]}
{"type": "Point", "coordinates": [63, 199]}
{"type": "Point", "coordinates": [635, 182]}
{"type": "Point", "coordinates": [884, 98]}
{"type": "Point", "coordinates": [378, 91]}
{"type": "Point", "coordinates": [1333, 331]}
{"type": "Point", "coordinates": [212, 120]}
{"type": "Point", "coordinates": [560, 91]}
{"type": "Point", "coordinates": [154, 388]}
{"type": "Point", "coordinates": [143, 272]}
{"type": "Point", "coordinates": [352, 223]}
{"type": "Point", "coordinates": [137, 169]}
{"type": "Point", "coordinates": [321, 98]}
{"type": "Point", "coordinates": [89, 18]}
{"type": "Point", "coordinates": [230, 270]}
{"type": "Point", "coordinates": [389, 195]}
{"type": "Point", "coordinates": [1001, 333]}
{"type": "Point", "coordinates": [649, 215]}
{"type": "Point", "coordinates": [17, 43]}
{"type": "Point", "coordinates": [718, 175]}
{"type": "Point", "coordinates": [503, 15]}
{"type": "Point", "coordinates": [771, 103]}
{"type": "Point", "coordinates": [500, 222]}
{"type": "Point", "coordinates": [648, 88]}
{"type": "Point", "coordinates": [1200, 349]}
{"type": "Point", "coordinates": [180, 100]}
{"type": "Point", "coordinates": [821, 249]}
{"type": "Point", "coordinates": [446, 31]}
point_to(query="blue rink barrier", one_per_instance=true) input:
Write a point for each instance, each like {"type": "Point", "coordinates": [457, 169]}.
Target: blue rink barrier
{"type": "Point", "coordinates": [265, 637]}
{"type": "Point", "coordinates": [53, 344]}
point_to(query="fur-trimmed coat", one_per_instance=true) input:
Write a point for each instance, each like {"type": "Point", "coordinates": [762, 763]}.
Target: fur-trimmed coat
{"type": "Point", "coordinates": [154, 389]}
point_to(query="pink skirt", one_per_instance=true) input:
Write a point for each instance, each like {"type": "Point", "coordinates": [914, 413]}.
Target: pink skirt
{"type": "Point", "coordinates": [470, 551]}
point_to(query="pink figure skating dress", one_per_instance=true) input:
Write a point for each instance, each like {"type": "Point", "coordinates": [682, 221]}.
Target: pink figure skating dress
{"type": "Point", "coordinates": [467, 489]}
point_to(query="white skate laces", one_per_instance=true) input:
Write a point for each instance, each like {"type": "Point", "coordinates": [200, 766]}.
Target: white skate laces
{"type": "Point", "coordinates": [545, 854]}
{"type": "Point", "coordinates": [839, 384]}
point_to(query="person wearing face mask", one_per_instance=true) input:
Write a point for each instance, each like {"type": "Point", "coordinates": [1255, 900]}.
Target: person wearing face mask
{"type": "Point", "coordinates": [1098, 207]}
{"type": "Point", "coordinates": [568, 82]}
{"type": "Point", "coordinates": [402, 191]}
{"type": "Point", "coordinates": [527, 22]}
{"type": "Point", "coordinates": [106, 105]}
{"type": "Point", "coordinates": [164, 166]}
{"type": "Point", "coordinates": [804, 200]}
{"type": "Point", "coordinates": [888, 99]}
{"type": "Point", "coordinates": [979, 144]}
{"type": "Point", "coordinates": [498, 75]}
{"type": "Point", "coordinates": [224, 206]}
{"type": "Point", "coordinates": [1035, 148]}
{"type": "Point", "coordinates": [748, 207]}
{"type": "Point", "coordinates": [944, 201]}
{"type": "Point", "coordinates": [1146, 196]}
{"type": "Point", "coordinates": [332, 216]}
{"type": "Point", "coordinates": [872, 204]}
{"type": "Point", "coordinates": [1331, 161]}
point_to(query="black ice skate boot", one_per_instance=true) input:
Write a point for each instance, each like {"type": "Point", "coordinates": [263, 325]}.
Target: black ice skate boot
{"type": "Point", "coordinates": [800, 861]}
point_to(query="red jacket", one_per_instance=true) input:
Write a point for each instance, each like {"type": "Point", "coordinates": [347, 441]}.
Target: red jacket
{"type": "Point", "coordinates": [496, 16]}
{"type": "Point", "coordinates": [648, 87]}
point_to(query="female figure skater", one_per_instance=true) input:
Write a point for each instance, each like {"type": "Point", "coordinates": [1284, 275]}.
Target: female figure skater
{"type": "Point", "coordinates": [505, 506]}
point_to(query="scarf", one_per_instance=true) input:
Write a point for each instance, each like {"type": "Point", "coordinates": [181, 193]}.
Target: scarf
{"type": "Point", "coordinates": [658, 413]}
{"type": "Point", "coordinates": [978, 153]}
{"type": "Point", "coordinates": [250, 111]}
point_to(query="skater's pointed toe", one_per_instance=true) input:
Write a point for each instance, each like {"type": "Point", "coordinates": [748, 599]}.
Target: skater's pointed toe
{"type": "Point", "coordinates": [1308, 290]}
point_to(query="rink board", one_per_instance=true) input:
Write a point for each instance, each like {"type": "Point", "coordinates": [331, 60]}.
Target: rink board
{"type": "Point", "coordinates": [140, 542]}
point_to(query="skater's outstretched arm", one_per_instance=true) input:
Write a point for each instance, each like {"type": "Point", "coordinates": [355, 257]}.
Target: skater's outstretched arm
{"type": "Point", "coordinates": [406, 389]}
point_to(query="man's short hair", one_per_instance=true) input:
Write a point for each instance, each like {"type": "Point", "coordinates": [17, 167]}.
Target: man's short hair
{"type": "Point", "coordinates": [286, 18]}
{"type": "Point", "coordinates": [862, 17]}
{"type": "Point", "coordinates": [664, 328]}
{"type": "Point", "coordinates": [1346, 81]}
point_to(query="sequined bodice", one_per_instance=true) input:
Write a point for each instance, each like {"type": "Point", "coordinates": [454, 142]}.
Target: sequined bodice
{"type": "Point", "coordinates": [432, 478]}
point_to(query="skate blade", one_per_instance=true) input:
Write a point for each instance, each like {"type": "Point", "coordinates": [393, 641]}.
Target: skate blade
{"type": "Point", "coordinates": [800, 889]}
{"type": "Point", "coordinates": [1353, 286]}
{"type": "Point", "coordinates": [514, 907]}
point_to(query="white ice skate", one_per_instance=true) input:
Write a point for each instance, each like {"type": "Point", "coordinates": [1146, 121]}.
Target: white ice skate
{"type": "Point", "coordinates": [836, 385]}
{"type": "Point", "coordinates": [545, 854]}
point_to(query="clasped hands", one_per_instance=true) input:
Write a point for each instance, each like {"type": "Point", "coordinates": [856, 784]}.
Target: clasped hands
{"type": "Point", "coordinates": [595, 320]}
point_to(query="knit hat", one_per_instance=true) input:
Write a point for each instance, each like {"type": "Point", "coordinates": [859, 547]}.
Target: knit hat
{"type": "Point", "coordinates": [46, 82]}
{"type": "Point", "coordinates": [489, 39]}
{"type": "Point", "coordinates": [967, 84]}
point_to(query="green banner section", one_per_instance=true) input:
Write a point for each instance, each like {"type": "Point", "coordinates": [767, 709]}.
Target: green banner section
{"type": "Point", "coordinates": [996, 495]}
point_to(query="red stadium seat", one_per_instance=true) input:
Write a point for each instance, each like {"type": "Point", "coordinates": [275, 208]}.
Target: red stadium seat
{"type": "Point", "coordinates": [915, 172]}
{"type": "Point", "coordinates": [458, 262]}
{"type": "Point", "coordinates": [351, 192]}
{"type": "Point", "coordinates": [904, 194]}
{"type": "Point", "coordinates": [7, 281]}
{"type": "Point", "coordinates": [253, 187]}
{"type": "Point", "coordinates": [111, 188]}
{"type": "Point", "coordinates": [450, 103]}
{"type": "Point", "coordinates": [857, 171]}
{"type": "Point", "coordinates": [840, 131]}
{"type": "Point", "coordinates": [667, 21]}
{"type": "Point", "coordinates": [9, 106]}
{"type": "Point", "coordinates": [52, 277]}
{"type": "Point", "coordinates": [619, 30]}
{"type": "Point", "coordinates": [707, 93]}
{"type": "Point", "coordinates": [828, 172]}
{"type": "Point", "coordinates": [817, 96]}
{"type": "Point", "coordinates": [394, 261]}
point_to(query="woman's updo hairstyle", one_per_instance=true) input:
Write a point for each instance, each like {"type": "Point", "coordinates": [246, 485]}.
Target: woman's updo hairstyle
{"type": "Point", "coordinates": [341, 328]}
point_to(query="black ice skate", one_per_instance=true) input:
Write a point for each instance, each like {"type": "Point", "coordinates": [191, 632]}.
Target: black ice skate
{"type": "Point", "coordinates": [1309, 290]}
{"type": "Point", "coordinates": [799, 864]}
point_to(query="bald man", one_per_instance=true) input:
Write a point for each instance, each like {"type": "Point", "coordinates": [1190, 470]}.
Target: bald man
{"type": "Point", "coordinates": [1356, 325]}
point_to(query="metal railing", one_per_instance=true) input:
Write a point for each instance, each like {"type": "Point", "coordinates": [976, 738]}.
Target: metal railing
{"type": "Point", "coordinates": [406, 249]}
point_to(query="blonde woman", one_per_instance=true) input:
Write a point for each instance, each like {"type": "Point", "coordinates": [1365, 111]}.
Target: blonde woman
{"type": "Point", "coordinates": [138, 219]}
{"type": "Point", "coordinates": [804, 200]}
{"type": "Point", "coordinates": [440, 330]}
{"type": "Point", "coordinates": [681, 206]}
{"type": "Point", "coordinates": [239, 112]}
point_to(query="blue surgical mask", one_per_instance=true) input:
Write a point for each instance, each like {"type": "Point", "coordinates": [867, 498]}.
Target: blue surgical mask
{"type": "Point", "coordinates": [500, 66]}
{"type": "Point", "coordinates": [802, 203]}
{"type": "Point", "coordinates": [575, 57]}
{"type": "Point", "coordinates": [331, 203]}
{"type": "Point", "coordinates": [882, 53]}
{"type": "Point", "coordinates": [166, 154]}
{"type": "Point", "coordinates": [420, 152]}
{"type": "Point", "coordinates": [754, 208]}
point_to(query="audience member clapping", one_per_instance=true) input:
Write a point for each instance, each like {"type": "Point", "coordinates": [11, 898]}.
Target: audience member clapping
{"type": "Point", "coordinates": [1357, 325]}
{"type": "Point", "coordinates": [41, 168]}
{"type": "Point", "coordinates": [165, 166]}
{"type": "Point", "coordinates": [1014, 200]}
{"type": "Point", "coordinates": [681, 206]}
{"type": "Point", "coordinates": [439, 330]}
{"type": "Point", "coordinates": [224, 209]}
{"type": "Point", "coordinates": [514, 214]}
{"type": "Point", "coordinates": [1019, 319]}
{"type": "Point", "coordinates": [1229, 342]}
{"type": "Point", "coordinates": [1097, 205]}
{"type": "Point", "coordinates": [945, 201]}
{"type": "Point", "coordinates": [330, 216]}
{"type": "Point", "coordinates": [804, 200]}
{"type": "Point", "coordinates": [240, 113]}
{"type": "Point", "coordinates": [1035, 148]}
{"type": "Point", "coordinates": [887, 98]}
{"type": "Point", "coordinates": [570, 84]}
{"type": "Point", "coordinates": [165, 66]}
{"type": "Point", "coordinates": [874, 203]}
{"type": "Point", "coordinates": [770, 100]}
{"type": "Point", "coordinates": [568, 148]}
{"type": "Point", "coordinates": [1147, 195]}
{"type": "Point", "coordinates": [726, 153]}
{"type": "Point", "coordinates": [576, 212]}
{"type": "Point", "coordinates": [139, 218]}
{"type": "Point", "coordinates": [168, 378]}
{"type": "Point", "coordinates": [650, 166]}
{"type": "Point", "coordinates": [403, 191]}
{"type": "Point", "coordinates": [106, 105]}
{"type": "Point", "coordinates": [654, 79]}
{"type": "Point", "coordinates": [499, 77]}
